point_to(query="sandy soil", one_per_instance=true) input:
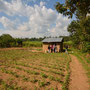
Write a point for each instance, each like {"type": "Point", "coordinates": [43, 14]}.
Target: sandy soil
{"type": "Point", "coordinates": [78, 78]}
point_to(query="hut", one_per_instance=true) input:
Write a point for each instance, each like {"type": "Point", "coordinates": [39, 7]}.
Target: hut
{"type": "Point", "coordinates": [53, 41]}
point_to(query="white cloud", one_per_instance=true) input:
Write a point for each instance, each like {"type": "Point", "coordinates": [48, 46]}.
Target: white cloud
{"type": "Point", "coordinates": [8, 24]}
{"type": "Point", "coordinates": [41, 20]}
{"type": "Point", "coordinates": [42, 3]}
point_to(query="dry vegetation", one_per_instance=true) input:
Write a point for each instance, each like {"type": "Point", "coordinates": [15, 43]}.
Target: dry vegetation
{"type": "Point", "coordinates": [26, 70]}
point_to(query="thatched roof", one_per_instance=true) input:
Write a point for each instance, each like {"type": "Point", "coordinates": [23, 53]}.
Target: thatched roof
{"type": "Point", "coordinates": [48, 40]}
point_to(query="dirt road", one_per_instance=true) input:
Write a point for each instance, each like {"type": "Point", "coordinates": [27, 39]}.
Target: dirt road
{"type": "Point", "coordinates": [78, 78]}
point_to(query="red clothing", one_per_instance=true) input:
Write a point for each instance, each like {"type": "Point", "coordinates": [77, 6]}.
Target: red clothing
{"type": "Point", "coordinates": [52, 47]}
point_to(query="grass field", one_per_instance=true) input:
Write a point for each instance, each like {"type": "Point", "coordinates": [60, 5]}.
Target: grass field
{"type": "Point", "coordinates": [26, 70]}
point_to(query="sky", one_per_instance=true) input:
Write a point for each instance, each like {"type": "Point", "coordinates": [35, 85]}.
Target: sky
{"type": "Point", "coordinates": [32, 18]}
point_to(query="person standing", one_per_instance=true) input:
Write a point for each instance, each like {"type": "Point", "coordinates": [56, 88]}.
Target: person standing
{"type": "Point", "coordinates": [66, 49]}
{"type": "Point", "coordinates": [54, 47]}
{"type": "Point", "coordinates": [49, 49]}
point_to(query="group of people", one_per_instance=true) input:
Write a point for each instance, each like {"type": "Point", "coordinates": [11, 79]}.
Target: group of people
{"type": "Point", "coordinates": [52, 48]}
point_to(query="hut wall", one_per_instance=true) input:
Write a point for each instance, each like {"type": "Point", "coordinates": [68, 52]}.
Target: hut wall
{"type": "Point", "coordinates": [45, 47]}
{"type": "Point", "coordinates": [58, 46]}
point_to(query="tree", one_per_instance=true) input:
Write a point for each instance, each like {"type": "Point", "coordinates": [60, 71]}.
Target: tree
{"type": "Point", "coordinates": [19, 42]}
{"type": "Point", "coordinates": [75, 32]}
{"type": "Point", "coordinates": [86, 26]}
{"type": "Point", "coordinates": [73, 27]}
{"type": "Point", "coordinates": [6, 40]}
{"type": "Point", "coordinates": [79, 29]}
{"type": "Point", "coordinates": [80, 33]}
{"type": "Point", "coordinates": [71, 7]}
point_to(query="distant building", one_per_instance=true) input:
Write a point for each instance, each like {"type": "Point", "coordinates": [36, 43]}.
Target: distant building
{"type": "Point", "coordinates": [53, 41]}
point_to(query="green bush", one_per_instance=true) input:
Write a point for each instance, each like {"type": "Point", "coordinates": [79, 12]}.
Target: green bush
{"type": "Point", "coordinates": [69, 43]}
{"type": "Point", "coordinates": [7, 41]}
{"type": "Point", "coordinates": [86, 47]}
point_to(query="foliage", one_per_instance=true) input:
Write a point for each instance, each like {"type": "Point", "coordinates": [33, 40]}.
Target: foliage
{"type": "Point", "coordinates": [80, 28]}
{"type": "Point", "coordinates": [86, 26]}
{"type": "Point", "coordinates": [80, 34]}
{"type": "Point", "coordinates": [19, 42]}
{"type": "Point", "coordinates": [74, 29]}
{"type": "Point", "coordinates": [6, 40]}
{"type": "Point", "coordinates": [68, 43]}
{"type": "Point", "coordinates": [71, 7]}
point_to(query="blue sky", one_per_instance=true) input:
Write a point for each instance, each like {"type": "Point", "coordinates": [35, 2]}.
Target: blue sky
{"type": "Point", "coordinates": [32, 18]}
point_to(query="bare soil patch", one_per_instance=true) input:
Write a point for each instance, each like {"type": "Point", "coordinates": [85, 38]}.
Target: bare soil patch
{"type": "Point", "coordinates": [78, 78]}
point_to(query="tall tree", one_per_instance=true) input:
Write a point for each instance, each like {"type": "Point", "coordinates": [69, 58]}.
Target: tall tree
{"type": "Point", "coordinates": [79, 29]}
{"type": "Point", "coordinates": [71, 7]}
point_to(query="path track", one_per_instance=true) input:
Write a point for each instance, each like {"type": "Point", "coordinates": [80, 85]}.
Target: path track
{"type": "Point", "coordinates": [78, 78]}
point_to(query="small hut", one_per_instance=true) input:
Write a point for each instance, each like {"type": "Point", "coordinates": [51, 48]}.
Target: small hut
{"type": "Point", "coordinates": [53, 41]}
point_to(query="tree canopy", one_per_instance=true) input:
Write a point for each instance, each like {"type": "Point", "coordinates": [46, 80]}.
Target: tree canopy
{"type": "Point", "coordinates": [71, 7]}
{"type": "Point", "coordinates": [6, 40]}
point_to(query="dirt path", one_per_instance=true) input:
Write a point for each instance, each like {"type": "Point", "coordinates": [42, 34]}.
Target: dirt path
{"type": "Point", "coordinates": [78, 78]}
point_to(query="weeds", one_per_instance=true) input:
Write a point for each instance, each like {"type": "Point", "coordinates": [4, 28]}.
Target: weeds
{"type": "Point", "coordinates": [51, 77]}
{"type": "Point", "coordinates": [9, 72]}
{"type": "Point", "coordinates": [51, 88]}
{"type": "Point", "coordinates": [66, 81]}
{"type": "Point", "coordinates": [52, 67]}
{"type": "Point", "coordinates": [25, 78]}
{"type": "Point", "coordinates": [43, 75]}
{"type": "Point", "coordinates": [43, 83]}
{"type": "Point", "coordinates": [33, 80]}
{"type": "Point", "coordinates": [9, 87]}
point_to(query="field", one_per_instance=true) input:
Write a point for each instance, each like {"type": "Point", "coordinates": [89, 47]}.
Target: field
{"type": "Point", "coordinates": [26, 70]}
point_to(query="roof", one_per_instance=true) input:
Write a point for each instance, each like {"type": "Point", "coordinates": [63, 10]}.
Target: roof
{"type": "Point", "coordinates": [52, 40]}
